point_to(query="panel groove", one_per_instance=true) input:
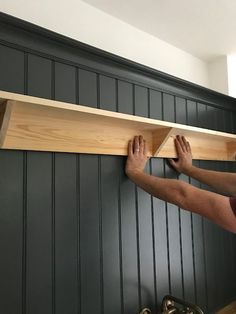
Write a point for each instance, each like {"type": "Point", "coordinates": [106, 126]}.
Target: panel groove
{"type": "Point", "coordinates": [24, 234]}
{"type": "Point", "coordinates": [193, 253]}
{"type": "Point", "coordinates": [167, 239]}
{"type": "Point", "coordinates": [120, 243]}
{"type": "Point", "coordinates": [53, 80]}
{"type": "Point", "coordinates": [166, 213]}
{"type": "Point", "coordinates": [137, 221]}
{"type": "Point", "coordinates": [138, 249]}
{"type": "Point", "coordinates": [204, 256]}
{"type": "Point", "coordinates": [77, 86]}
{"type": "Point", "coordinates": [133, 96]}
{"type": "Point", "coordinates": [98, 91]}
{"type": "Point", "coordinates": [181, 255]}
{"type": "Point", "coordinates": [179, 219]}
{"type": "Point", "coordinates": [116, 95]}
{"type": "Point", "coordinates": [152, 217]}
{"type": "Point", "coordinates": [148, 102]}
{"type": "Point", "coordinates": [100, 235]}
{"type": "Point", "coordinates": [122, 310]}
{"type": "Point", "coordinates": [78, 258]}
{"type": "Point", "coordinates": [53, 236]}
{"type": "Point", "coordinates": [154, 247]}
{"type": "Point", "coordinates": [100, 206]}
{"type": "Point", "coordinates": [25, 73]}
{"type": "Point", "coordinates": [53, 203]}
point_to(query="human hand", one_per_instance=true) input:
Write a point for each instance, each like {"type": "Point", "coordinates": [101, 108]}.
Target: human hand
{"type": "Point", "coordinates": [137, 156]}
{"type": "Point", "coordinates": [184, 161]}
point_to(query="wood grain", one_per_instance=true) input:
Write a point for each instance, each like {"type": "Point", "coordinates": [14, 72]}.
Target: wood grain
{"type": "Point", "coordinates": [31, 123]}
{"type": "Point", "coordinates": [5, 115]}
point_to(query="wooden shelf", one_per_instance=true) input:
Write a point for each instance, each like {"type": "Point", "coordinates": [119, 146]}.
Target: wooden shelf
{"type": "Point", "coordinates": [30, 123]}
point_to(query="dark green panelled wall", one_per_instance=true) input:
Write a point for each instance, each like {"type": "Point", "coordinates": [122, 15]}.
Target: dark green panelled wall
{"type": "Point", "coordinates": [76, 236]}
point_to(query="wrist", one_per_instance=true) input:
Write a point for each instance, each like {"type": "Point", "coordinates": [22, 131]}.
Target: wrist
{"type": "Point", "coordinates": [188, 170]}
{"type": "Point", "coordinates": [134, 172]}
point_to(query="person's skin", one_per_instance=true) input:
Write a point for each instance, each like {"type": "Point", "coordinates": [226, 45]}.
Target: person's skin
{"type": "Point", "coordinates": [222, 182]}
{"type": "Point", "coordinates": [211, 205]}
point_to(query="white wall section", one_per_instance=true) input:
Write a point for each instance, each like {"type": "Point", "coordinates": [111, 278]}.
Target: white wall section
{"type": "Point", "coordinates": [218, 75]}
{"type": "Point", "coordinates": [83, 22]}
{"type": "Point", "coordinates": [231, 63]}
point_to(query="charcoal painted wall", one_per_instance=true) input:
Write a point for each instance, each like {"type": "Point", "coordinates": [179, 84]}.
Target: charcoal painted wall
{"type": "Point", "coordinates": [76, 236]}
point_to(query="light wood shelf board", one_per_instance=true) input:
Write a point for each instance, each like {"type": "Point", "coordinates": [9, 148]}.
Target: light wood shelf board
{"type": "Point", "coordinates": [31, 123]}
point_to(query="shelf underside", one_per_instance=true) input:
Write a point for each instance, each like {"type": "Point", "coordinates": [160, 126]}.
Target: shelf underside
{"type": "Point", "coordinates": [28, 125]}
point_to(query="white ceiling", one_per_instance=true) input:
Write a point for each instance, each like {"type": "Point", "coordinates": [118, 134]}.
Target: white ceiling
{"type": "Point", "coordinates": [204, 28]}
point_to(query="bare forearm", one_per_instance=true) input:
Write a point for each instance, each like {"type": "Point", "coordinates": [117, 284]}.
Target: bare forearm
{"type": "Point", "coordinates": [169, 190]}
{"type": "Point", "coordinates": [222, 182]}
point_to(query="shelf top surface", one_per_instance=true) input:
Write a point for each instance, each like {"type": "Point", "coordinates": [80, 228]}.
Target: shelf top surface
{"type": "Point", "coordinates": [7, 96]}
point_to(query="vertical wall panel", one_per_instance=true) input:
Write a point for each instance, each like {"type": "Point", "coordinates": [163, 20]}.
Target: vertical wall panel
{"type": "Point", "coordinates": [12, 200]}
{"type": "Point", "coordinates": [231, 167]}
{"type": "Point", "coordinates": [168, 108]}
{"type": "Point", "coordinates": [198, 232]}
{"type": "Point", "coordinates": [141, 99]}
{"type": "Point", "coordinates": [220, 235]}
{"type": "Point", "coordinates": [202, 116]}
{"type": "Point", "coordinates": [181, 110]}
{"type": "Point", "coordinates": [90, 255]}
{"type": "Point", "coordinates": [125, 97]}
{"type": "Point", "coordinates": [233, 121]}
{"type": "Point", "coordinates": [66, 207]}
{"type": "Point", "coordinates": [40, 267]}
{"type": "Point", "coordinates": [107, 93]}
{"type": "Point", "coordinates": [155, 105]}
{"type": "Point", "coordinates": [227, 120]}
{"type": "Point", "coordinates": [210, 236]}
{"type": "Point", "coordinates": [210, 233]}
{"type": "Point", "coordinates": [11, 235]}
{"type": "Point", "coordinates": [91, 285]}
{"type": "Point", "coordinates": [223, 250]}
{"type": "Point", "coordinates": [220, 251]}
{"type": "Point", "coordinates": [12, 69]}
{"type": "Point", "coordinates": [160, 239]}
{"type": "Point", "coordinates": [176, 286]}
{"type": "Point", "coordinates": [129, 247]}
{"type": "Point", "coordinates": [66, 264]}
{"type": "Point", "coordinates": [39, 76]}
{"type": "Point", "coordinates": [128, 219]}
{"type": "Point", "coordinates": [211, 117]}
{"type": "Point", "coordinates": [186, 225]}
{"type": "Point", "coordinates": [87, 88]}
{"type": "Point", "coordinates": [145, 249]}
{"type": "Point", "coordinates": [65, 83]}
{"type": "Point", "coordinates": [110, 169]}
{"type": "Point", "coordinates": [144, 220]}
{"type": "Point", "coordinates": [192, 113]}
{"type": "Point", "coordinates": [220, 121]}
{"type": "Point", "coordinates": [199, 257]}
{"type": "Point", "coordinates": [39, 234]}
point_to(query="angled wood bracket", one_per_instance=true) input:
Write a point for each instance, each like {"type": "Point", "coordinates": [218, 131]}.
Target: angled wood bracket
{"type": "Point", "coordinates": [30, 123]}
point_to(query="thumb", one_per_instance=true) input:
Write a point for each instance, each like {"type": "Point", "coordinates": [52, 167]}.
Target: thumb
{"type": "Point", "coordinates": [171, 162]}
